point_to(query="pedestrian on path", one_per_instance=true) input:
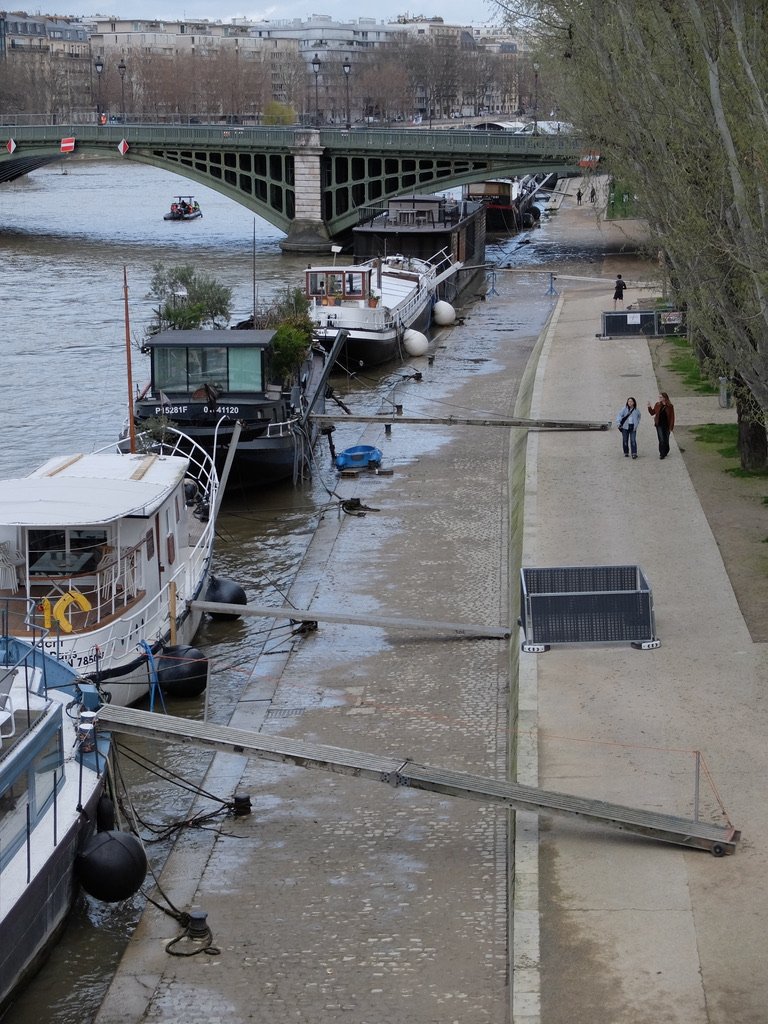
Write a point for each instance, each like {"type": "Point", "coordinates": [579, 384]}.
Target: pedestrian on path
{"type": "Point", "coordinates": [592, 194]}
{"type": "Point", "coordinates": [618, 290]}
{"type": "Point", "coordinates": [663, 413]}
{"type": "Point", "coordinates": [579, 195]}
{"type": "Point", "coordinates": [628, 420]}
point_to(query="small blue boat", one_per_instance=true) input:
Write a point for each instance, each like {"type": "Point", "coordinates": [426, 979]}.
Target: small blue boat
{"type": "Point", "coordinates": [360, 456]}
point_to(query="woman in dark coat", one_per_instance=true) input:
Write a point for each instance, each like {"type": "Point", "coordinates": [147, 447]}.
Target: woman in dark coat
{"type": "Point", "coordinates": [663, 413]}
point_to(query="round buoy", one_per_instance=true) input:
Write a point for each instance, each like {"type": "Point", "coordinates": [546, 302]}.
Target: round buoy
{"type": "Point", "coordinates": [415, 343]}
{"type": "Point", "coordinates": [111, 866]}
{"type": "Point", "coordinates": [225, 592]}
{"type": "Point", "coordinates": [443, 313]}
{"type": "Point", "coordinates": [182, 671]}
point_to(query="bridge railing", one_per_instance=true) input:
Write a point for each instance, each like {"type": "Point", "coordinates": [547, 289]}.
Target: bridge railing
{"type": "Point", "coordinates": [377, 140]}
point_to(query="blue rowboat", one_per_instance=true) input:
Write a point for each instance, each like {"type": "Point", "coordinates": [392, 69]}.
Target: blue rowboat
{"type": "Point", "coordinates": [360, 456]}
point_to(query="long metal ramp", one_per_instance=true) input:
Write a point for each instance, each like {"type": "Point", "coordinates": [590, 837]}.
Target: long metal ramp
{"type": "Point", "coordinates": [415, 625]}
{"type": "Point", "coordinates": [396, 772]}
{"type": "Point", "coordinates": [462, 421]}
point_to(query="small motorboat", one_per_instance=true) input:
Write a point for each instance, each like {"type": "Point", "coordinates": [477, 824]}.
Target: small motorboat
{"type": "Point", "coordinates": [360, 456]}
{"type": "Point", "coordinates": [184, 208]}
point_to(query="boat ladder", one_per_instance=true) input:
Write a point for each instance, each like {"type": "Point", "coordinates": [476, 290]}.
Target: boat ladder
{"type": "Point", "coordinates": [397, 772]}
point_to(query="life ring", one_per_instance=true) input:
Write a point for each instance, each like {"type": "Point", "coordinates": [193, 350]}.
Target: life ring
{"type": "Point", "coordinates": [60, 608]}
{"type": "Point", "coordinates": [45, 608]}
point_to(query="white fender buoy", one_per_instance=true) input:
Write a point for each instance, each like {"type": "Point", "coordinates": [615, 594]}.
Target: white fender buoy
{"type": "Point", "coordinates": [443, 313]}
{"type": "Point", "coordinates": [415, 343]}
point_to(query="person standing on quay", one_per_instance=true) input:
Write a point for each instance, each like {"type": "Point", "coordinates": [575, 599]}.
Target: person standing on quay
{"type": "Point", "coordinates": [618, 290]}
{"type": "Point", "coordinates": [579, 195]}
{"type": "Point", "coordinates": [592, 194]}
{"type": "Point", "coordinates": [628, 420]}
{"type": "Point", "coordinates": [663, 413]}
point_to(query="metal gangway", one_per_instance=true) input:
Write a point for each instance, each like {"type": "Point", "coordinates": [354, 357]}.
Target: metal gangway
{"type": "Point", "coordinates": [396, 772]}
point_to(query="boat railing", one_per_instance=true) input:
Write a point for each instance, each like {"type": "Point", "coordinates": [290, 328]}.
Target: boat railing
{"type": "Point", "coordinates": [120, 637]}
{"type": "Point", "coordinates": [443, 261]}
{"type": "Point", "coordinates": [283, 429]}
{"type": "Point", "coordinates": [172, 442]}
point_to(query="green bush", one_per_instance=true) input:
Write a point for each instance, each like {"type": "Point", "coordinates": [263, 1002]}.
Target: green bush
{"type": "Point", "coordinates": [289, 349]}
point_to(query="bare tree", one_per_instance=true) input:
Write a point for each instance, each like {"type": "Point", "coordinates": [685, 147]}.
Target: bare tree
{"type": "Point", "coordinates": [674, 96]}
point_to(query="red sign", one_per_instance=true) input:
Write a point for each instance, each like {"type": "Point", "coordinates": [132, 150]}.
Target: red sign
{"type": "Point", "coordinates": [68, 145]}
{"type": "Point", "coordinates": [10, 145]}
{"type": "Point", "coordinates": [590, 160]}
{"type": "Point", "coordinates": [122, 147]}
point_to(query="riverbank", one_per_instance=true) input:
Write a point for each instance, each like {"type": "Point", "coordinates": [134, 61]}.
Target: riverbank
{"type": "Point", "coordinates": [339, 900]}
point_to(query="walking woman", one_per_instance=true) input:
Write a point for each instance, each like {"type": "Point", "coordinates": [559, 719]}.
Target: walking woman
{"type": "Point", "coordinates": [663, 413]}
{"type": "Point", "coordinates": [628, 420]}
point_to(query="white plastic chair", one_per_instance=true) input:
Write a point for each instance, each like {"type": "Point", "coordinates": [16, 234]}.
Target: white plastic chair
{"type": "Point", "coordinates": [7, 721]}
{"type": "Point", "coordinates": [9, 579]}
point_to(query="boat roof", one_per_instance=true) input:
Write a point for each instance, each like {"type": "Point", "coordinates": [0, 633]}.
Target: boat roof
{"type": "Point", "coordinates": [201, 338]}
{"type": "Point", "coordinates": [74, 490]}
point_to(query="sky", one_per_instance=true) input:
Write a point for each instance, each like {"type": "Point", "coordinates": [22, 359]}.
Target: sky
{"type": "Point", "coordinates": [452, 11]}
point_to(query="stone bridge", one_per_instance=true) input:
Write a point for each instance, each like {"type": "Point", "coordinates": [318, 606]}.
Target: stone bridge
{"type": "Point", "coordinates": [310, 183]}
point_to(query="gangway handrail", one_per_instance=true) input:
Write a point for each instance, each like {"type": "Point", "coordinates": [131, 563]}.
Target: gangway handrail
{"type": "Point", "coordinates": [403, 772]}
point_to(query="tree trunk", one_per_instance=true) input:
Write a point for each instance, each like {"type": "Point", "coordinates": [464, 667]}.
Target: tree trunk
{"type": "Point", "coordinates": [753, 443]}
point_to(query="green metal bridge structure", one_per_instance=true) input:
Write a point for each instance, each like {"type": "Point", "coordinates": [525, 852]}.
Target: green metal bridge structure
{"type": "Point", "coordinates": [311, 183]}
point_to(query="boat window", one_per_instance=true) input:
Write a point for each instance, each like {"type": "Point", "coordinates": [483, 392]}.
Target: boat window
{"type": "Point", "coordinates": [334, 283]}
{"type": "Point", "coordinates": [316, 283]}
{"type": "Point", "coordinates": [46, 774]}
{"type": "Point", "coordinates": [207, 366]}
{"type": "Point", "coordinates": [184, 370]}
{"type": "Point", "coordinates": [245, 370]}
{"type": "Point", "coordinates": [65, 552]}
{"type": "Point", "coordinates": [13, 817]}
{"type": "Point", "coordinates": [169, 369]}
{"type": "Point", "coordinates": [355, 284]}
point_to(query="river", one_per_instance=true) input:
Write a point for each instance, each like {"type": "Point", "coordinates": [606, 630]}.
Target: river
{"type": "Point", "coordinates": [64, 241]}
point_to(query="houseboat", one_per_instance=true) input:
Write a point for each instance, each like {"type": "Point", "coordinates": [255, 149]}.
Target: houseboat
{"type": "Point", "coordinates": [100, 553]}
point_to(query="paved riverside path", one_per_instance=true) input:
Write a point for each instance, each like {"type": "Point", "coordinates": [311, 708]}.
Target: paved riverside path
{"type": "Point", "coordinates": [631, 931]}
{"type": "Point", "coordinates": [337, 900]}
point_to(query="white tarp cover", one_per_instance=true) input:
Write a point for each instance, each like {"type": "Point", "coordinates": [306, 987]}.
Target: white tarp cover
{"type": "Point", "coordinates": [89, 489]}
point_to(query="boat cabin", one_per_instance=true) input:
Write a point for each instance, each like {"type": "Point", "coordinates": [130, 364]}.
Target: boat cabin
{"type": "Point", "coordinates": [202, 366]}
{"type": "Point", "coordinates": [329, 286]}
{"type": "Point", "coordinates": [84, 536]}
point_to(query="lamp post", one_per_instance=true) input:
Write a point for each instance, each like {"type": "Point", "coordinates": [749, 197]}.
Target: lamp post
{"type": "Point", "coordinates": [121, 68]}
{"type": "Point", "coordinates": [346, 67]}
{"type": "Point", "coordinates": [535, 97]}
{"type": "Point", "coordinates": [316, 62]}
{"type": "Point", "coordinates": [99, 65]}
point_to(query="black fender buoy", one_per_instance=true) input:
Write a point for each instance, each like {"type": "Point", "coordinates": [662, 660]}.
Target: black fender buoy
{"type": "Point", "coordinates": [182, 671]}
{"type": "Point", "coordinates": [111, 866]}
{"type": "Point", "coordinates": [105, 814]}
{"type": "Point", "coordinates": [225, 592]}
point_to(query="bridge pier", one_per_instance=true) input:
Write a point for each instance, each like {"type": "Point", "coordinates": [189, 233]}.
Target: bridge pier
{"type": "Point", "coordinates": [307, 232]}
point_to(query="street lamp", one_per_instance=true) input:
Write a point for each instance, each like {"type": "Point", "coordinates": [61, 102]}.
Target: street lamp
{"type": "Point", "coordinates": [316, 62]}
{"type": "Point", "coordinates": [99, 65]}
{"type": "Point", "coordinates": [535, 97]}
{"type": "Point", "coordinates": [121, 67]}
{"type": "Point", "coordinates": [346, 67]}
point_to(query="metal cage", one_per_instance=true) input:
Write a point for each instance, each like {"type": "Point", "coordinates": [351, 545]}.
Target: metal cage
{"type": "Point", "coordinates": [578, 604]}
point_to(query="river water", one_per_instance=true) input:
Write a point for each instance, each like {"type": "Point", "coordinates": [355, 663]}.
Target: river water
{"type": "Point", "coordinates": [64, 241]}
